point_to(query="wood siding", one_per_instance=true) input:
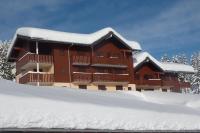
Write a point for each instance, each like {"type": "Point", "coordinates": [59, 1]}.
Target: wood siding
{"type": "Point", "coordinates": [61, 64]}
{"type": "Point", "coordinates": [108, 61]}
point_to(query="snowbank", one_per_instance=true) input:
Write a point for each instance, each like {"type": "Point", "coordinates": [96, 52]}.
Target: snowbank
{"type": "Point", "coordinates": [26, 106]}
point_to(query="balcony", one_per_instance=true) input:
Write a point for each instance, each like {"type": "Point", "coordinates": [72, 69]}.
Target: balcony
{"type": "Point", "coordinates": [30, 59]}
{"type": "Point", "coordinates": [33, 78]}
{"type": "Point", "coordinates": [150, 82]}
{"type": "Point", "coordinates": [109, 62]}
{"type": "Point", "coordinates": [184, 84]}
{"type": "Point", "coordinates": [81, 60]}
{"type": "Point", "coordinates": [170, 83]}
{"type": "Point", "coordinates": [81, 77]}
{"type": "Point", "coordinates": [159, 82]}
{"type": "Point", "coordinates": [111, 78]}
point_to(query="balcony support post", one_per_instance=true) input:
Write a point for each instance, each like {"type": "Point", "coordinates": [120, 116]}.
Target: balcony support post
{"type": "Point", "coordinates": [37, 53]}
{"type": "Point", "coordinates": [69, 62]}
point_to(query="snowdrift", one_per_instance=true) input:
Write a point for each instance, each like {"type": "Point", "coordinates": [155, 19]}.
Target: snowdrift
{"type": "Point", "coordinates": [23, 106]}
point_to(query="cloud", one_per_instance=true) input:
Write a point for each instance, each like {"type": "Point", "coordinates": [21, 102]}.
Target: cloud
{"type": "Point", "coordinates": [178, 24]}
{"type": "Point", "coordinates": [37, 13]}
{"type": "Point", "coordinates": [158, 26]}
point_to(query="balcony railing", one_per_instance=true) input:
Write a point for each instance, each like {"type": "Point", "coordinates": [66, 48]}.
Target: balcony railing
{"type": "Point", "coordinates": [170, 83]}
{"type": "Point", "coordinates": [110, 78]}
{"type": "Point", "coordinates": [81, 77]}
{"type": "Point", "coordinates": [184, 85]}
{"type": "Point", "coordinates": [80, 60]}
{"type": "Point", "coordinates": [33, 58]}
{"type": "Point", "coordinates": [152, 82]}
{"type": "Point", "coordinates": [109, 62]}
{"type": "Point", "coordinates": [36, 77]}
{"type": "Point", "coordinates": [160, 82]}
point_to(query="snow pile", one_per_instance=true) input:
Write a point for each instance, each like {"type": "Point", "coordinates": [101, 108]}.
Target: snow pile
{"type": "Point", "coordinates": [26, 106]}
{"type": "Point", "coordinates": [66, 37]}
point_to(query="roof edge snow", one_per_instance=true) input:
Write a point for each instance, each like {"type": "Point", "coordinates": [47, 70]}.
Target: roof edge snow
{"type": "Point", "coordinates": [67, 37]}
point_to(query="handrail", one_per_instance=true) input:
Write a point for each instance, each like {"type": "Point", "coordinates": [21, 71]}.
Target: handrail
{"type": "Point", "coordinates": [33, 77]}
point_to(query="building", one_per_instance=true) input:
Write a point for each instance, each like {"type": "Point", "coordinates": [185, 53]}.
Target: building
{"type": "Point", "coordinates": [103, 60]}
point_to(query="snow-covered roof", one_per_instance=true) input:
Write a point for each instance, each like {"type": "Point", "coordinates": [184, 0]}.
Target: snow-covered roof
{"type": "Point", "coordinates": [167, 67]}
{"type": "Point", "coordinates": [139, 57]}
{"type": "Point", "coordinates": [175, 67]}
{"type": "Point", "coordinates": [66, 37]}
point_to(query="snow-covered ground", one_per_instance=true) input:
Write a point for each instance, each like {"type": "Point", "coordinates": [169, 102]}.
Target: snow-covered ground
{"type": "Point", "coordinates": [24, 106]}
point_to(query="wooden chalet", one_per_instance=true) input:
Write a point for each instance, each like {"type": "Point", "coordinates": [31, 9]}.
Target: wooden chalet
{"type": "Point", "coordinates": [102, 60]}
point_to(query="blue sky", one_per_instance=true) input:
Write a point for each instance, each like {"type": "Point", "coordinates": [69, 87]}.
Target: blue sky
{"type": "Point", "coordinates": [160, 26]}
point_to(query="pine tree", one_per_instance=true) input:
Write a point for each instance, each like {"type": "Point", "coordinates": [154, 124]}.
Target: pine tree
{"type": "Point", "coordinates": [181, 59]}
{"type": "Point", "coordinates": [165, 58]}
{"type": "Point", "coordinates": [5, 66]}
{"type": "Point", "coordinates": [195, 78]}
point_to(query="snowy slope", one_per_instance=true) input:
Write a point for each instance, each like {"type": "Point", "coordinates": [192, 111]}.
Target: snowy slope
{"type": "Point", "coordinates": [26, 106]}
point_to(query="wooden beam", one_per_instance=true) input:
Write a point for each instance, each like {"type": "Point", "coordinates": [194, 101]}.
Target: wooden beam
{"type": "Point", "coordinates": [18, 49]}
{"type": "Point", "coordinates": [12, 58]}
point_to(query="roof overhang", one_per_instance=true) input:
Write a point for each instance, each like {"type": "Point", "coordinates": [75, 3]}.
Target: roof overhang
{"type": "Point", "coordinates": [69, 38]}
{"type": "Point", "coordinates": [148, 60]}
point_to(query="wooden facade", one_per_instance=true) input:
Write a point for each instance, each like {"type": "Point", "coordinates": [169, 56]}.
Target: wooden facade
{"type": "Point", "coordinates": [149, 76]}
{"type": "Point", "coordinates": [107, 62]}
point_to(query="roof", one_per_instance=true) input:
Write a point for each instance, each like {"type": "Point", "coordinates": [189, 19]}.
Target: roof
{"type": "Point", "coordinates": [66, 37]}
{"type": "Point", "coordinates": [140, 57]}
{"type": "Point", "coordinates": [175, 67]}
{"type": "Point", "coordinates": [167, 67]}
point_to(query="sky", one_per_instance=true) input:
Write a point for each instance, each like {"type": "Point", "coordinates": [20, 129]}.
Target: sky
{"type": "Point", "coordinates": [160, 26]}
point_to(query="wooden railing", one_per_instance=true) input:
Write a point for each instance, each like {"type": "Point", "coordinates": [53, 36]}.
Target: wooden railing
{"type": "Point", "coordinates": [80, 60]}
{"type": "Point", "coordinates": [109, 61]}
{"type": "Point", "coordinates": [29, 57]}
{"type": "Point", "coordinates": [81, 77]}
{"type": "Point", "coordinates": [36, 77]}
{"type": "Point", "coordinates": [152, 82]}
{"type": "Point", "coordinates": [171, 83]}
{"type": "Point", "coordinates": [110, 78]}
{"type": "Point", "coordinates": [184, 85]}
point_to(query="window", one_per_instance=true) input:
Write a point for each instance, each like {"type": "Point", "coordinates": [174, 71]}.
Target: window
{"type": "Point", "coordinates": [101, 87]}
{"type": "Point", "coordinates": [119, 87]}
{"type": "Point", "coordinates": [164, 90]}
{"type": "Point", "coordinates": [82, 86]}
{"type": "Point", "coordinates": [149, 89]}
{"type": "Point", "coordinates": [138, 90]}
{"type": "Point", "coordinates": [148, 76]}
{"type": "Point", "coordinates": [120, 71]}
{"type": "Point", "coordinates": [102, 70]}
{"type": "Point", "coordinates": [81, 69]}
{"type": "Point", "coordinates": [129, 88]}
{"type": "Point", "coordinates": [35, 70]}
